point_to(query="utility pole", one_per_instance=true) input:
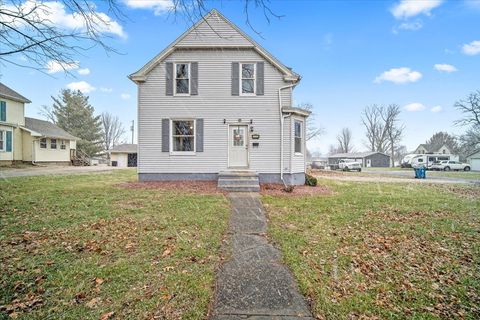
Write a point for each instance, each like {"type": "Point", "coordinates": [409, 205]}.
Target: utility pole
{"type": "Point", "coordinates": [132, 128]}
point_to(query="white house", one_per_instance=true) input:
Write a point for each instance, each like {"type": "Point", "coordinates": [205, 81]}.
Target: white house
{"type": "Point", "coordinates": [214, 101]}
{"type": "Point", "coordinates": [474, 160]}
{"type": "Point", "coordinates": [124, 155]}
{"type": "Point", "coordinates": [427, 149]}
{"type": "Point", "coordinates": [28, 139]}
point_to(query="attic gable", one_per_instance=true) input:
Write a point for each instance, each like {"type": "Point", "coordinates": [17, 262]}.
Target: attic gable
{"type": "Point", "coordinates": [213, 31]}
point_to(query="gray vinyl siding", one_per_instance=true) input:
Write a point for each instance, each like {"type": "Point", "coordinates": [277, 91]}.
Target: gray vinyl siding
{"type": "Point", "coordinates": [213, 104]}
{"type": "Point", "coordinates": [214, 33]}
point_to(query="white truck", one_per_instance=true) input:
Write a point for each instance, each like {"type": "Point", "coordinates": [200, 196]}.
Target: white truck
{"type": "Point", "coordinates": [349, 165]}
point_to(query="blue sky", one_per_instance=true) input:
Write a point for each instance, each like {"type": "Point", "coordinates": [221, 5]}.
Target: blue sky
{"type": "Point", "coordinates": [422, 55]}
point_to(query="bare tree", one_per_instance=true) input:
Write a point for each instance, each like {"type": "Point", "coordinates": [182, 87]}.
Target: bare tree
{"type": "Point", "coordinates": [470, 107]}
{"type": "Point", "coordinates": [313, 131]}
{"type": "Point", "coordinates": [344, 141]}
{"type": "Point", "coordinates": [112, 131]}
{"type": "Point", "coordinates": [376, 131]}
{"type": "Point", "coordinates": [48, 113]}
{"type": "Point", "coordinates": [29, 30]}
{"type": "Point", "coordinates": [393, 129]}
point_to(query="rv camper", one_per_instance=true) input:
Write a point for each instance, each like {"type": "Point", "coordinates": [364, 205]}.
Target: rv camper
{"type": "Point", "coordinates": [427, 160]}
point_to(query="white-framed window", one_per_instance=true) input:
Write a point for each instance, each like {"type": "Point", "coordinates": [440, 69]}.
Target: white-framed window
{"type": "Point", "coordinates": [182, 136]}
{"type": "Point", "coordinates": [43, 143]}
{"type": "Point", "coordinates": [62, 145]}
{"type": "Point", "coordinates": [247, 79]}
{"type": "Point", "coordinates": [298, 132]}
{"type": "Point", "coordinates": [2, 140]}
{"type": "Point", "coordinates": [182, 78]}
{"type": "Point", "coordinates": [53, 143]}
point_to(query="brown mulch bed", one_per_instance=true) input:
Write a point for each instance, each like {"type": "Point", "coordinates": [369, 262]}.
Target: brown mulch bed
{"type": "Point", "coordinates": [298, 191]}
{"type": "Point", "coordinates": [198, 187]}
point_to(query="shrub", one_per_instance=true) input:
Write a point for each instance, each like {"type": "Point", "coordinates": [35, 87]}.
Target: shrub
{"type": "Point", "coordinates": [310, 180]}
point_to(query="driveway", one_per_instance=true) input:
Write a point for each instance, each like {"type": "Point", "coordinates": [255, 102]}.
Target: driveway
{"type": "Point", "coordinates": [39, 170]}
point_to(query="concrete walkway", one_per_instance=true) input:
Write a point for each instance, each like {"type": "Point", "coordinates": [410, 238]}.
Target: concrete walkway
{"type": "Point", "coordinates": [254, 284]}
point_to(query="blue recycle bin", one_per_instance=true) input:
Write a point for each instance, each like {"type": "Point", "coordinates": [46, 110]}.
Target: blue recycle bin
{"type": "Point", "coordinates": [420, 173]}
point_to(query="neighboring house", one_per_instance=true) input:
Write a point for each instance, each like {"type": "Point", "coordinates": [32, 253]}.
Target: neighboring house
{"type": "Point", "coordinates": [474, 160]}
{"type": "Point", "coordinates": [124, 155]}
{"type": "Point", "coordinates": [29, 139]}
{"type": "Point", "coordinates": [215, 100]}
{"type": "Point", "coordinates": [367, 159]}
{"type": "Point", "coordinates": [427, 149]}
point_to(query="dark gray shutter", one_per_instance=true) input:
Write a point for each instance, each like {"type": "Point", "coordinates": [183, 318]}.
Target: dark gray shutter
{"type": "Point", "coordinates": [169, 79]}
{"type": "Point", "coordinates": [165, 135]}
{"type": "Point", "coordinates": [194, 78]}
{"type": "Point", "coordinates": [235, 79]}
{"type": "Point", "coordinates": [3, 111]}
{"type": "Point", "coordinates": [260, 78]}
{"type": "Point", "coordinates": [199, 135]}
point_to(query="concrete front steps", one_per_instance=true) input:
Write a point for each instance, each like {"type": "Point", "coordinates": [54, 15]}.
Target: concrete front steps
{"type": "Point", "coordinates": [239, 181]}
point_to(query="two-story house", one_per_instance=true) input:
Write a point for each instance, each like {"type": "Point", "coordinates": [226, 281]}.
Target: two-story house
{"type": "Point", "coordinates": [28, 139]}
{"type": "Point", "coordinates": [213, 103]}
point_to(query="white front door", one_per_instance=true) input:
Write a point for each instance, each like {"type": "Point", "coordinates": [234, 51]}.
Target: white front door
{"type": "Point", "coordinates": [238, 146]}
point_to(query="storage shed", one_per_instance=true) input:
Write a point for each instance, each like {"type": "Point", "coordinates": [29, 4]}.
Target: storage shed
{"type": "Point", "coordinates": [124, 155]}
{"type": "Point", "coordinates": [367, 159]}
{"type": "Point", "coordinates": [474, 160]}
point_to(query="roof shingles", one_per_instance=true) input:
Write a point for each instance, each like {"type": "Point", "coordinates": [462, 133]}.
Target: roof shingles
{"type": "Point", "coordinates": [47, 129]}
{"type": "Point", "coordinates": [8, 93]}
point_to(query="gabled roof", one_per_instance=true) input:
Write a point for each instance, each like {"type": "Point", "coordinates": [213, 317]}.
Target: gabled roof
{"type": "Point", "coordinates": [8, 93]}
{"type": "Point", "coordinates": [356, 154]}
{"type": "Point", "coordinates": [431, 149]}
{"type": "Point", "coordinates": [209, 19]}
{"type": "Point", "coordinates": [125, 148]}
{"type": "Point", "coordinates": [43, 128]}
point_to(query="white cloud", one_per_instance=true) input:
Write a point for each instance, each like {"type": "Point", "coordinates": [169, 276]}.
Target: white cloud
{"type": "Point", "coordinates": [410, 8]}
{"type": "Point", "coordinates": [125, 96]}
{"type": "Point", "coordinates": [416, 106]}
{"type": "Point", "coordinates": [471, 48]}
{"type": "Point", "coordinates": [436, 109]}
{"type": "Point", "coordinates": [82, 86]}
{"type": "Point", "coordinates": [411, 26]}
{"type": "Point", "coordinates": [55, 13]}
{"type": "Point", "coordinates": [399, 76]}
{"type": "Point", "coordinates": [106, 90]}
{"type": "Point", "coordinates": [443, 67]}
{"type": "Point", "coordinates": [56, 66]}
{"type": "Point", "coordinates": [83, 71]}
{"type": "Point", "coordinates": [158, 6]}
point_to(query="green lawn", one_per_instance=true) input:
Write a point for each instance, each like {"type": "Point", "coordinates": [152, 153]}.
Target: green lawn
{"type": "Point", "coordinates": [381, 251]}
{"type": "Point", "coordinates": [83, 247]}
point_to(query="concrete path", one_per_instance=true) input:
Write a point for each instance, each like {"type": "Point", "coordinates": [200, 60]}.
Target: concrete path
{"type": "Point", "coordinates": [254, 284]}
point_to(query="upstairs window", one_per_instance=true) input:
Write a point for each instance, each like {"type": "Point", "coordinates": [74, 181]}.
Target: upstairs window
{"type": "Point", "coordinates": [62, 145]}
{"type": "Point", "coordinates": [53, 143]}
{"type": "Point", "coordinates": [182, 78]}
{"type": "Point", "coordinates": [43, 143]}
{"type": "Point", "coordinates": [298, 136]}
{"type": "Point", "coordinates": [247, 83]}
{"type": "Point", "coordinates": [183, 136]}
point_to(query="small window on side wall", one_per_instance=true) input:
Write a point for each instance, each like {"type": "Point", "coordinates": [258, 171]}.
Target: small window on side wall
{"type": "Point", "coordinates": [182, 78]}
{"type": "Point", "coordinates": [298, 136]}
{"type": "Point", "coordinates": [53, 143]}
{"type": "Point", "coordinates": [2, 140]}
{"type": "Point", "coordinates": [43, 143]}
{"type": "Point", "coordinates": [62, 145]}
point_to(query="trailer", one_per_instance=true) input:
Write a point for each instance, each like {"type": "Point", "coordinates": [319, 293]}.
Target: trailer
{"type": "Point", "coordinates": [427, 160]}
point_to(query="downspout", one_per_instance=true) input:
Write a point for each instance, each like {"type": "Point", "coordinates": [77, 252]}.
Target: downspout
{"type": "Point", "coordinates": [282, 118]}
{"type": "Point", "coordinates": [33, 151]}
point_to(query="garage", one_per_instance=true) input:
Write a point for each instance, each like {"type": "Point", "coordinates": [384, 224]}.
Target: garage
{"type": "Point", "coordinates": [474, 161]}
{"type": "Point", "coordinates": [124, 155]}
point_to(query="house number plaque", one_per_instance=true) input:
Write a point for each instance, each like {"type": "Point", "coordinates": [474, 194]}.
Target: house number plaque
{"type": "Point", "coordinates": [255, 136]}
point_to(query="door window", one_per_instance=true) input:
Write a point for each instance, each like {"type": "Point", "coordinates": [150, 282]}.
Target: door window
{"type": "Point", "coordinates": [238, 137]}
